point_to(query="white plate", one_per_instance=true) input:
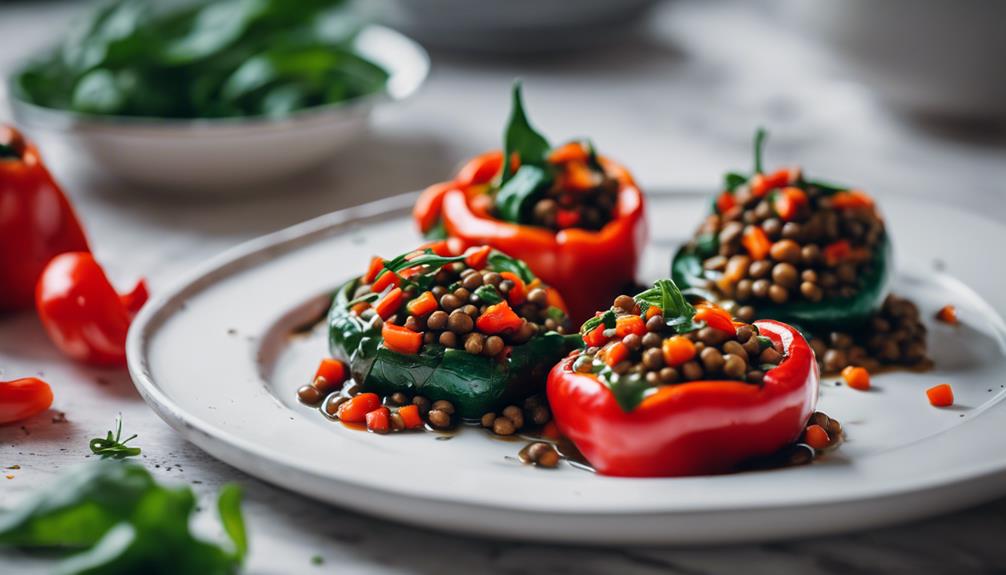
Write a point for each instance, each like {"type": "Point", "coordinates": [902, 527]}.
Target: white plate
{"type": "Point", "coordinates": [229, 155]}
{"type": "Point", "coordinates": [215, 359]}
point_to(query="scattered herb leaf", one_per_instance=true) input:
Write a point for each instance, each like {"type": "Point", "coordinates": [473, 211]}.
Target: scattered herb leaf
{"type": "Point", "coordinates": [113, 446]}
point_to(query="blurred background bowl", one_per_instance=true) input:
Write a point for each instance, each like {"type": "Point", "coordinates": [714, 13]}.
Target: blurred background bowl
{"type": "Point", "coordinates": [228, 155]}
{"type": "Point", "coordinates": [512, 26]}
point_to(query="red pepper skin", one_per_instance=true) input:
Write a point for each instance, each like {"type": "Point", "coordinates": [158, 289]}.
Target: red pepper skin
{"type": "Point", "coordinates": [589, 268]}
{"type": "Point", "coordinates": [36, 224]}
{"type": "Point", "coordinates": [81, 311]}
{"type": "Point", "coordinates": [23, 398]}
{"type": "Point", "coordinates": [694, 428]}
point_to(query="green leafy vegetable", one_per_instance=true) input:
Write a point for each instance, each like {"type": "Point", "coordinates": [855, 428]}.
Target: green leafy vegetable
{"type": "Point", "coordinates": [629, 389]}
{"type": "Point", "coordinates": [113, 446]}
{"type": "Point", "coordinates": [522, 140]}
{"type": "Point", "coordinates": [488, 294]}
{"type": "Point", "coordinates": [124, 522]}
{"type": "Point", "coordinates": [437, 232]}
{"type": "Point", "coordinates": [827, 188]}
{"type": "Point", "coordinates": [759, 146]}
{"type": "Point", "coordinates": [516, 197]}
{"type": "Point", "coordinates": [607, 318]}
{"type": "Point", "coordinates": [733, 180]}
{"type": "Point", "coordinates": [500, 262]}
{"type": "Point", "coordinates": [677, 312]}
{"type": "Point", "coordinates": [707, 245]}
{"type": "Point", "coordinates": [204, 60]}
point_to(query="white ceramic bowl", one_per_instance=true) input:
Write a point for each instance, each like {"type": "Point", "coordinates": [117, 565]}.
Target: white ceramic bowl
{"type": "Point", "coordinates": [230, 154]}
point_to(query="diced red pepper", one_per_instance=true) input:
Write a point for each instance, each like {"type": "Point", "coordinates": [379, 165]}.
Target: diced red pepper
{"type": "Point", "coordinates": [439, 247]}
{"type": "Point", "coordinates": [941, 395]}
{"type": "Point", "coordinates": [579, 176]}
{"type": "Point", "coordinates": [837, 252]}
{"type": "Point", "coordinates": [478, 257]}
{"type": "Point", "coordinates": [401, 339]}
{"type": "Point", "coordinates": [410, 416]}
{"type": "Point", "coordinates": [762, 184]}
{"type": "Point", "coordinates": [571, 152]}
{"type": "Point", "coordinates": [851, 199]}
{"type": "Point", "coordinates": [518, 293]}
{"type": "Point", "coordinates": [376, 265]}
{"type": "Point", "coordinates": [725, 202]}
{"type": "Point", "coordinates": [595, 337]}
{"type": "Point", "coordinates": [565, 219]}
{"type": "Point", "coordinates": [677, 350]}
{"type": "Point", "coordinates": [356, 409]}
{"type": "Point", "coordinates": [498, 318]}
{"type": "Point", "coordinates": [715, 317]}
{"type": "Point", "coordinates": [23, 398]}
{"type": "Point", "coordinates": [384, 280]}
{"type": "Point", "coordinates": [388, 305]}
{"type": "Point", "coordinates": [379, 420]}
{"type": "Point", "coordinates": [330, 375]}
{"type": "Point", "coordinates": [627, 324]}
{"type": "Point", "coordinates": [652, 311]}
{"type": "Point", "coordinates": [816, 437]}
{"type": "Point", "coordinates": [948, 315]}
{"type": "Point", "coordinates": [422, 305]}
{"type": "Point", "coordinates": [788, 202]}
{"type": "Point", "coordinates": [616, 353]}
{"type": "Point", "coordinates": [856, 377]}
{"type": "Point", "coordinates": [756, 242]}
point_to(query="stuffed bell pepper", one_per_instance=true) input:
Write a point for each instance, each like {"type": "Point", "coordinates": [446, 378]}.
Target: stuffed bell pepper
{"type": "Point", "coordinates": [473, 331]}
{"type": "Point", "coordinates": [665, 388]}
{"type": "Point", "coordinates": [785, 247]}
{"type": "Point", "coordinates": [575, 217]}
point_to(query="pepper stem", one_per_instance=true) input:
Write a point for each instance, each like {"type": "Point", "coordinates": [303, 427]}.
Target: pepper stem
{"type": "Point", "coordinates": [759, 145]}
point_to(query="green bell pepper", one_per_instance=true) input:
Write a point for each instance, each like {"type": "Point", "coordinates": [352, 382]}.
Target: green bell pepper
{"type": "Point", "coordinates": [475, 384]}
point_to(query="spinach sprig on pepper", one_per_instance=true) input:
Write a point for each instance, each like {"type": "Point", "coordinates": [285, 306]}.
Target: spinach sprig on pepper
{"type": "Point", "coordinates": [477, 329]}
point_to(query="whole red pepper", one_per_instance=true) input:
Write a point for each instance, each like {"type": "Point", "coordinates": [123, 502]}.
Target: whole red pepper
{"type": "Point", "coordinates": [586, 267]}
{"type": "Point", "coordinates": [81, 311]}
{"type": "Point", "coordinates": [23, 398]}
{"type": "Point", "coordinates": [36, 220]}
{"type": "Point", "coordinates": [692, 428]}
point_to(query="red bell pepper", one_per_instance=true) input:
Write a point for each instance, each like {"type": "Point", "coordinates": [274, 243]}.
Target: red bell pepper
{"type": "Point", "coordinates": [587, 267]}
{"type": "Point", "coordinates": [36, 220]}
{"type": "Point", "coordinates": [23, 398]}
{"type": "Point", "coordinates": [81, 311]}
{"type": "Point", "coordinates": [692, 428]}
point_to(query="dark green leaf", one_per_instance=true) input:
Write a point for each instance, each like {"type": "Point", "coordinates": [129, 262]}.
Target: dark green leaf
{"type": "Point", "coordinates": [707, 245]}
{"type": "Point", "coordinates": [759, 146]}
{"type": "Point", "coordinates": [517, 196]}
{"type": "Point", "coordinates": [500, 262]}
{"type": "Point", "coordinates": [677, 312]}
{"type": "Point", "coordinates": [827, 188]}
{"type": "Point", "coordinates": [488, 294]}
{"type": "Point", "coordinates": [114, 446]}
{"type": "Point", "coordinates": [229, 506]}
{"type": "Point", "coordinates": [521, 139]}
{"type": "Point", "coordinates": [607, 318]}
{"type": "Point", "coordinates": [733, 180]}
{"type": "Point", "coordinates": [98, 92]}
{"type": "Point", "coordinates": [629, 389]}
{"type": "Point", "coordinates": [437, 232]}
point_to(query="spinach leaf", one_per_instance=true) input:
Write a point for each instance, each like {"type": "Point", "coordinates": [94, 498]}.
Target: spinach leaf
{"type": "Point", "coordinates": [522, 140]}
{"type": "Point", "coordinates": [517, 196]}
{"type": "Point", "coordinates": [677, 312]}
{"type": "Point", "coordinates": [500, 262]}
{"type": "Point", "coordinates": [607, 319]}
{"type": "Point", "coordinates": [759, 146]}
{"type": "Point", "coordinates": [733, 180]}
{"type": "Point", "coordinates": [488, 294]}
{"type": "Point", "coordinates": [629, 389]}
{"type": "Point", "coordinates": [437, 232]}
{"type": "Point", "coordinates": [827, 188]}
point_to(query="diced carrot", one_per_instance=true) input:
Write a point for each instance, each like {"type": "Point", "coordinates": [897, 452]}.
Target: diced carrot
{"type": "Point", "coordinates": [677, 350]}
{"type": "Point", "coordinates": [359, 307]}
{"type": "Point", "coordinates": [330, 375]}
{"type": "Point", "coordinates": [410, 416]}
{"type": "Point", "coordinates": [518, 293]}
{"type": "Point", "coordinates": [616, 353]}
{"type": "Point", "coordinates": [555, 299]}
{"type": "Point", "coordinates": [388, 305]}
{"type": "Point", "coordinates": [571, 152]}
{"type": "Point", "coordinates": [579, 176]}
{"type": "Point", "coordinates": [401, 339]}
{"type": "Point", "coordinates": [376, 265]}
{"type": "Point", "coordinates": [478, 257]}
{"type": "Point", "coordinates": [439, 247]}
{"type": "Point", "coordinates": [856, 377]}
{"type": "Point", "coordinates": [788, 202]}
{"type": "Point", "coordinates": [498, 318]}
{"type": "Point", "coordinates": [724, 202]}
{"type": "Point", "coordinates": [378, 420]}
{"type": "Point", "coordinates": [550, 430]}
{"type": "Point", "coordinates": [816, 437]}
{"type": "Point", "coordinates": [422, 305]}
{"type": "Point", "coordinates": [851, 199]}
{"type": "Point", "coordinates": [356, 409]}
{"type": "Point", "coordinates": [715, 317]}
{"type": "Point", "coordinates": [941, 395]}
{"type": "Point", "coordinates": [595, 337]}
{"type": "Point", "coordinates": [384, 280]}
{"type": "Point", "coordinates": [652, 311]}
{"type": "Point", "coordinates": [948, 314]}
{"type": "Point", "coordinates": [428, 207]}
{"type": "Point", "coordinates": [627, 324]}
{"type": "Point", "coordinates": [837, 252]}
{"type": "Point", "coordinates": [756, 242]}
{"type": "Point", "coordinates": [566, 219]}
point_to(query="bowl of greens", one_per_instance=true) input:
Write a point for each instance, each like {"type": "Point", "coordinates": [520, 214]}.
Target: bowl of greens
{"type": "Point", "coordinates": [210, 96]}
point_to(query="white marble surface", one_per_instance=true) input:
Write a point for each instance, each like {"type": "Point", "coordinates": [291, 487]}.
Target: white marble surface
{"type": "Point", "coordinates": [677, 101]}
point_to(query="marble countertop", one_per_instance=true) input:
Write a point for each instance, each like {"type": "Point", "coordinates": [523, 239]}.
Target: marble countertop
{"type": "Point", "coordinates": [677, 101]}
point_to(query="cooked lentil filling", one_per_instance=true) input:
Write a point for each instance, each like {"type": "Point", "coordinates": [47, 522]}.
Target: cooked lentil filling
{"type": "Point", "coordinates": [479, 310]}
{"type": "Point", "coordinates": [797, 242]}
{"type": "Point", "coordinates": [649, 348]}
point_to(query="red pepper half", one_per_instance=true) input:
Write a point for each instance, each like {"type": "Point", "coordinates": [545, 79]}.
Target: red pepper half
{"type": "Point", "coordinates": [81, 311]}
{"type": "Point", "coordinates": [587, 267]}
{"type": "Point", "coordinates": [23, 398]}
{"type": "Point", "coordinates": [692, 428]}
{"type": "Point", "coordinates": [36, 220]}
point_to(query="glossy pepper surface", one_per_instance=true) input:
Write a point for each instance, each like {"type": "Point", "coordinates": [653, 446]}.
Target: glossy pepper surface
{"type": "Point", "coordinates": [788, 186]}
{"type": "Point", "coordinates": [23, 398]}
{"type": "Point", "coordinates": [36, 220]}
{"type": "Point", "coordinates": [691, 428]}
{"type": "Point", "coordinates": [82, 313]}
{"type": "Point", "coordinates": [382, 360]}
{"type": "Point", "coordinates": [588, 267]}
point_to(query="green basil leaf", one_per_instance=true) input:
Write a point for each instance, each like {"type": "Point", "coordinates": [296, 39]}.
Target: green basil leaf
{"type": "Point", "coordinates": [521, 139]}
{"type": "Point", "coordinates": [488, 294]}
{"type": "Point", "coordinates": [677, 312]}
{"type": "Point", "coordinates": [500, 262]}
{"type": "Point", "coordinates": [99, 92]}
{"type": "Point", "coordinates": [517, 196]}
{"type": "Point", "coordinates": [733, 180]}
{"type": "Point", "coordinates": [215, 27]}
